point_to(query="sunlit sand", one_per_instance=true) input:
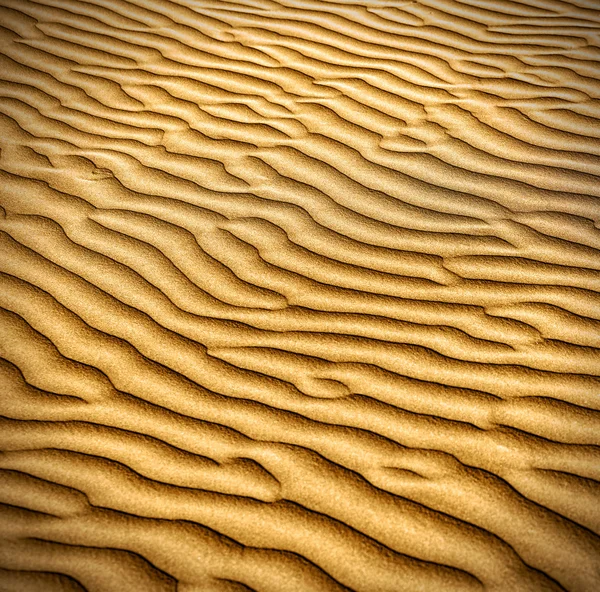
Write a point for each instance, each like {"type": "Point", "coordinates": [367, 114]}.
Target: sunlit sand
{"type": "Point", "coordinates": [299, 296]}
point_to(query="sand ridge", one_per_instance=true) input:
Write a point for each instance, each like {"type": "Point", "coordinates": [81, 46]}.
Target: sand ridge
{"type": "Point", "coordinates": [299, 295]}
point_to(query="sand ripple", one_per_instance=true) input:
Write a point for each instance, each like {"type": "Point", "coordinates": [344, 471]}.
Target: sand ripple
{"type": "Point", "coordinates": [299, 295]}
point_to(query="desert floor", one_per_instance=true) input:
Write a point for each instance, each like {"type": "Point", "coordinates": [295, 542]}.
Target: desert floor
{"type": "Point", "coordinates": [300, 295]}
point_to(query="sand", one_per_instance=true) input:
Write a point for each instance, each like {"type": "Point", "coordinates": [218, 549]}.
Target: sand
{"type": "Point", "coordinates": [300, 295]}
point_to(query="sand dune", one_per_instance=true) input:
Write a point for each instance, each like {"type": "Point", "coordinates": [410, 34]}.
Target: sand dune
{"type": "Point", "coordinates": [300, 295]}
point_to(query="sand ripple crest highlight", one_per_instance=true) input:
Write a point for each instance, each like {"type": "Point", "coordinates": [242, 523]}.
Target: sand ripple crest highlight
{"type": "Point", "coordinates": [299, 295]}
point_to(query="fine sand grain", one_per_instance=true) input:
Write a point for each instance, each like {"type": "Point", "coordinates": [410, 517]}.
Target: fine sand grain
{"type": "Point", "coordinates": [299, 295]}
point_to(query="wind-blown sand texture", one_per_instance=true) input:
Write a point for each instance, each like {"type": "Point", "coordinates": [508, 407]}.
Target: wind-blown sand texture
{"type": "Point", "coordinates": [300, 295]}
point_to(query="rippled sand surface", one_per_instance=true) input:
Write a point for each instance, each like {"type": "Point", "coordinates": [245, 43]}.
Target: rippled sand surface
{"type": "Point", "coordinates": [300, 295]}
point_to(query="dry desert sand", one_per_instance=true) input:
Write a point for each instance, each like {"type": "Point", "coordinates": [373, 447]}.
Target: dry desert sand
{"type": "Point", "coordinates": [300, 295]}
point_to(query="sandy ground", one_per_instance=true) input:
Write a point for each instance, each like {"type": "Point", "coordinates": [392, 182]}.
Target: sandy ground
{"type": "Point", "coordinates": [299, 296]}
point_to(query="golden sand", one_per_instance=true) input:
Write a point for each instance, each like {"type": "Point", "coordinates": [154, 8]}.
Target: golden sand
{"type": "Point", "coordinates": [300, 295]}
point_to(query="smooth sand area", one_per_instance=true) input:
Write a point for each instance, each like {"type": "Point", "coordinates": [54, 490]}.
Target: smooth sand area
{"type": "Point", "coordinates": [299, 295]}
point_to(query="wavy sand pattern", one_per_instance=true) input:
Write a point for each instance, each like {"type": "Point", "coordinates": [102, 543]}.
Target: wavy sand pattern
{"type": "Point", "coordinates": [300, 295]}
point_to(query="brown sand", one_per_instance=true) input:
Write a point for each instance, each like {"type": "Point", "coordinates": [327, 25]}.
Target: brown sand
{"type": "Point", "coordinates": [300, 295]}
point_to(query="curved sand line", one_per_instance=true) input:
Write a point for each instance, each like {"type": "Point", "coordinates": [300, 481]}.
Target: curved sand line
{"type": "Point", "coordinates": [299, 295]}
